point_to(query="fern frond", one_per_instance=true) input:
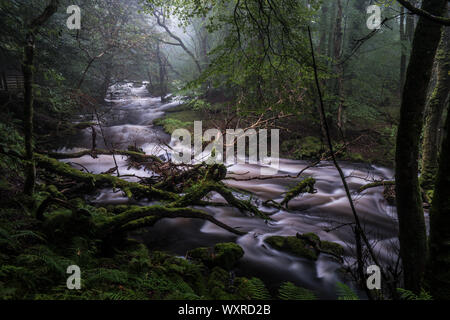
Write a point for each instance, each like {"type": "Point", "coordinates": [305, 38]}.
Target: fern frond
{"type": "Point", "coordinates": [409, 295]}
{"type": "Point", "coordinates": [344, 292]}
{"type": "Point", "coordinates": [289, 291]}
{"type": "Point", "coordinates": [257, 289]}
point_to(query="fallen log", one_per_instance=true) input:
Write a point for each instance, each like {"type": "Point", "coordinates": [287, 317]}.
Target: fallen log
{"type": "Point", "coordinates": [94, 153]}
{"type": "Point", "coordinates": [130, 189]}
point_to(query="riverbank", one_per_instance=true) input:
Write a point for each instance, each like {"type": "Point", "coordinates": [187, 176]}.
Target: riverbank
{"type": "Point", "coordinates": [299, 140]}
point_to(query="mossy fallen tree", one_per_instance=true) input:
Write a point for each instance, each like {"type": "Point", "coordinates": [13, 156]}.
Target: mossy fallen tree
{"type": "Point", "coordinates": [96, 181]}
{"type": "Point", "coordinates": [130, 218]}
{"type": "Point", "coordinates": [94, 153]}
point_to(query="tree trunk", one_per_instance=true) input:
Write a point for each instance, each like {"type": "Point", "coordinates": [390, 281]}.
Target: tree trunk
{"type": "Point", "coordinates": [28, 75]}
{"type": "Point", "coordinates": [412, 233]}
{"type": "Point", "coordinates": [162, 73]}
{"type": "Point", "coordinates": [27, 69]}
{"type": "Point", "coordinates": [338, 35]}
{"type": "Point", "coordinates": [410, 24]}
{"type": "Point", "coordinates": [439, 274]}
{"type": "Point", "coordinates": [403, 48]}
{"type": "Point", "coordinates": [435, 108]}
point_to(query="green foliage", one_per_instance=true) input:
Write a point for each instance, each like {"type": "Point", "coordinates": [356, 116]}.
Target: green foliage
{"type": "Point", "coordinates": [306, 148]}
{"type": "Point", "coordinates": [170, 125]}
{"type": "Point", "coordinates": [200, 105]}
{"type": "Point", "coordinates": [409, 295]}
{"type": "Point", "coordinates": [344, 292]}
{"type": "Point", "coordinates": [252, 289]}
{"type": "Point", "coordinates": [292, 245]}
{"type": "Point", "coordinates": [289, 291]}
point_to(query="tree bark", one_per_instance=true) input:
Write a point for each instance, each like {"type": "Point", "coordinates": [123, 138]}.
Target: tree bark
{"type": "Point", "coordinates": [439, 274]}
{"type": "Point", "coordinates": [28, 75]}
{"type": "Point", "coordinates": [434, 111]}
{"type": "Point", "coordinates": [403, 48]}
{"type": "Point", "coordinates": [162, 73]}
{"type": "Point", "coordinates": [338, 36]}
{"type": "Point", "coordinates": [412, 233]}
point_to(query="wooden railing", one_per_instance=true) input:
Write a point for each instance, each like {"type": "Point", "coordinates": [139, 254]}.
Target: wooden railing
{"type": "Point", "coordinates": [11, 82]}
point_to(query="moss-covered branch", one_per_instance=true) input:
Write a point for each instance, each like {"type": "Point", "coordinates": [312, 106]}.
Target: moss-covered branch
{"type": "Point", "coordinates": [94, 153]}
{"type": "Point", "coordinates": [199, 191]}
{"type": "Point", "coordinates": [376, 184]}
{"type": "Point", "coordinates": [306, 185]}
{"type": "Point", "coordinates": [137, 218]}
{"type": "Point", "coordinates": [131, 189]}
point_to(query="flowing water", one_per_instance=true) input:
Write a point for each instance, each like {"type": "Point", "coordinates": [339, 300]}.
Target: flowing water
{"type": "Point", "coordinates": [128, 116]}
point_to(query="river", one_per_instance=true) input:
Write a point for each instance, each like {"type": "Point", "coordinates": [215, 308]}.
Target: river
{"type": "Point", "coordinates": [128, 120]}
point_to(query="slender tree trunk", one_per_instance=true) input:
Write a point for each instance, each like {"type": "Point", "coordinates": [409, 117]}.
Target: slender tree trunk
{"type": "Point", "coordinates": [434, 111]}
{"type": "Point", "coordinates": [27, 69]}
{"type": "Point", "coordinates": [28, 75]}
{"type": "Point", "coordinates": [322, 50]}
{"type": "Point", "coordinates": [410, 24]}
{"type": "Point", "coordinates": [439, 267]}
{"type": "Point", "coordinates": [106, 82]}
{"type": "Point", "coordinates": [162, 72]}
{"type": "Point", "coordinates": [403, 48]}
{"type": "Point", "coordinates": [412, 233]}
{"type": "Point", "coordinates": [338, 36]}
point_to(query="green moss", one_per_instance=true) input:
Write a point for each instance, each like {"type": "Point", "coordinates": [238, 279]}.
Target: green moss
{"type": "Point", "coordinates": [227, 255]}
{"type": "Point", "coordinates": [299, 248]}
{"type": "Point", "coordinates": [224, 255]}
{"type": "Point", "coordinates": [307, 245]}
{"type": "Point", "coordinates": [332, 247]}
{"type": "Point", "coordinates": [170, 125]}
{"type": "Point", "coordinates": [305, 186]}
{"type": "Point", "coordinates": [204, 255]}
{"type": "Point", "coordinates": [277, 242]}
{"type": "Point", "coordinates": [311, 237]}
{"type": "Point", "coordinates": [292, 245]}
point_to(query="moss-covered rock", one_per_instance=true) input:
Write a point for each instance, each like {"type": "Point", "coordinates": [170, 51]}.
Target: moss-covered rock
{"type": "Point", "coordinates": [332, 247]}
{"type": "Point", "coordinates": [224, 255]}
{"type": "Point", "coordinates": [307, 245]}
{"type": "Point", "coordinates": [62, 225]}
{"type": "Point", "coordinates": [292, 245]}
{"type": "Point", "coordinates": [227, 254]}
